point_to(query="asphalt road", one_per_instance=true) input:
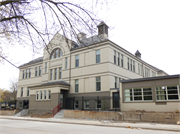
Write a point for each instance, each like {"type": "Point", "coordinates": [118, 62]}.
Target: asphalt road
{"type": "Point", "coordinates": [33, 127]}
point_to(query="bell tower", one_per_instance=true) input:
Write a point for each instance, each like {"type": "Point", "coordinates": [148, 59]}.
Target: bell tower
{"type": "Point", "coordinates": [103, 30]}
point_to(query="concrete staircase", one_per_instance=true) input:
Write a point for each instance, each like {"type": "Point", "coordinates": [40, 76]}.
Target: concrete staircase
{"type": "Point", "coordinates": [23, 112]}
{"type": "Point", "coordinates": [60, 114]}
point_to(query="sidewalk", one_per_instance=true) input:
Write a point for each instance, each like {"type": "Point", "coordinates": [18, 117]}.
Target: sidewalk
{"type": "Point", "coordinates": [151, 126]}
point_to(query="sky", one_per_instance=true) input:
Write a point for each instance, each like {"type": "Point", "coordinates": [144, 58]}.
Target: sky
{"type": "Point", "coordinates": [150, 26]}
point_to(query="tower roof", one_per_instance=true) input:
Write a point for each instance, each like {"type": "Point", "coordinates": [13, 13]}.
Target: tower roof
{"type": "Point", "coordinates": [102, 23]}
{"type": "Point", "coordinates": [137, 52]}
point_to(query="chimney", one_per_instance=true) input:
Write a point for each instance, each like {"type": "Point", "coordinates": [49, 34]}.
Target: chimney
{"type": "Point", "coordinates": [138, 54]}
{"type": "Point", "coordinates": [103, 30]}
{"type": "Point", "coordinates": [81, 36]}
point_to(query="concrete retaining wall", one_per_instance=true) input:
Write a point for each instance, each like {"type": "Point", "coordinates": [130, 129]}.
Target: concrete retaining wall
{"type": "Point", "coordinates": [92, 115]}
{"type": "Point", "coordinates": [6, 112]}
{"type": "Point", "coordinates": [169, 118]}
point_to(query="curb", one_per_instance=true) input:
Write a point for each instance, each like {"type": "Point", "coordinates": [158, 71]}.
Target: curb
{"type": "Point", "coordinates": [102, 125]}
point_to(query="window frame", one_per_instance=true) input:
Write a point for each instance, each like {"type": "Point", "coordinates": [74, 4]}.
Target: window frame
{"type": "Point", "coordinates": [76, 85]}
{"type": "Point", "coordinates": [114, 57]}
{"type": "Point", "coordinates": [51, 74]}
{"type": "Point", "coordinates": [36, 71]}
{"type": "Point", "coordinates": [49, 94]}
{"type": "Point", "coordinates": [40, 68]}
{"type": "Point", "coordinates": [98, 56]}
{"type": "Point", "coordinates": [132, 94]}
{"type": "Point", "coordinates": [22, 91]}
{"type": "Point", "coordinates": [44, 95]}
{"type": "Point", "coordinates": [122, 61]}
{"type": "Point", "coordinates": [85, 104]}
{"type": "Point", "coordinates": [98, 83]}
{"type": "Point", "coordinates": [76, 105]}
{"type": "Point", "coordinates": [66, 63]}
{"type": "Point", "coordinates": [55, 74]}
{"type": "Point", "coordinates": [77, 60]}
{"type": "Point", "coordinates": [60, 72]}
{"type": "Point", "coordinates": [118, 59]}
{"type": "Point", "coordinates": [23, 76]}
{"type": "Point", "coordinates": [166, 94]}
{"type": "Point", "coordinates": [37, 95]}
{"type": "Point", "coordinates": [28, 91]}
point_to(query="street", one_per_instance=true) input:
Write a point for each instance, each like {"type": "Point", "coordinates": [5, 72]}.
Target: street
{"type": "Point", "coordinates": [33, 127]}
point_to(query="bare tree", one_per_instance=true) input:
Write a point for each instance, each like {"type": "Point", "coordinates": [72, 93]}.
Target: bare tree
{"type": "Point", "coordinates": [13, 87]}
{"type": "Point", "coordinates": [36, 21]}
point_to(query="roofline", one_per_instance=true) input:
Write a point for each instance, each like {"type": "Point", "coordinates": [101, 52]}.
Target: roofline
{"type": "Point", "coordinates": [151, 78]}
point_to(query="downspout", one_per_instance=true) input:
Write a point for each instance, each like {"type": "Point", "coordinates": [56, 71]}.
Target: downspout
{"type": "Point", "coordinates": [70, 72]}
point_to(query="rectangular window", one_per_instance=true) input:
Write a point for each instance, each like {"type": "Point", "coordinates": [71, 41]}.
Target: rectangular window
{"type": "Point", "coordinates": [98, 83]}
{"type": "Point", "coordinates": [172, 92]}
{"type": "Point", "coordinates": [55, 73]}
{"type": "Point", "coordinates": [26, 73]}
{"type": "Point", "coordinates": [161, 93]}
{"type": "Point", "coordinates": [41, 95]}
{"type": "Point", "coordinates": [49, 94]}
{"type": "Point", "coordinates": [167, 93]}
{"type": "Point", "coordinates": [77, 61]}
{"type": "Point", "coordinates": [60, 73]}
{"type": "Point", "coordinates": [98, 57]}
{"type": "Point", "coordinates": [39, 70]}
{"type": "Point", "coordinates": [45, 67]}
{"type": "Point", "coordinates": [76, 105]}
{"type": "Point", "coordinates": [29, 73]}
{"type": "Point", "coordinates": [23, 74]}
{"type": "Point", "coordinates": [98, 104]}
{"type": "Point", "coordinates": [118, 59]}
{"type": "Point", "coordinates": [66, 64]}
{"type": "Point", "coordinates": [86, 104]}
{"type": "Point", "coordinates": [37, 95]}
{"type": "Point", "coordinates": [22, 92]}
{"type": "Point", "coordinates": [28, 89]}
{"type": "Point", "coordinates": [139, 70]}
{"type": "Point", "coordinates": [147, 94]}
{"type": "Point", "coordinates": [122, 60]}
{"type": "Point", "coordinates": [114, 57]}
{"type": "Point", "coordinates": [128, 63]}
{"type": "Point", "coordinates": [51, 74]}
{"type": "Point", "coordinates": [138, 94]}
{"type": "Point", "coordinates": [115, 82]}
{"type": "Point", "coordinates": [133, 66]}
{"type": "Point", "coordinates": [45, 95]}
{"type": "Point", "coordinates": [36, 71]}
{"type": "Point", "coordinates": [76, 86]}
{"type": "Point", "coordinates": [128, 95]}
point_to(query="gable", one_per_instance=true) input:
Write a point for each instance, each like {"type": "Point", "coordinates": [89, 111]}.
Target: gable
{"type": "Point", "coordinates": [58, 41]}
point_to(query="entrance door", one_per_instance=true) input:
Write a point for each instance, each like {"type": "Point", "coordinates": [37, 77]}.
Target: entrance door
{"type": "Point", "coordinates": [61, 99]}
{"type": "Point", "coordinates": [116, 100]}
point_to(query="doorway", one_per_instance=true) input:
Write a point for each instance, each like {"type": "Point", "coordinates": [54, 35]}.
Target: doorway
{"type": "Point", "coordinates": [115, 100]}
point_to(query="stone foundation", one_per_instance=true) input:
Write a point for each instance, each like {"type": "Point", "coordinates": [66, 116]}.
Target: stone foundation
{"type": "Point", "coordinates": [40, 111]}
{"type": "Point", "coordinates": [154, 117]}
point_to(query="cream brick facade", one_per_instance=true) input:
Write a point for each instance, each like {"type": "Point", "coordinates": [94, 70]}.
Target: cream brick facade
{"type": "Point", "coordinates": [87, 71]}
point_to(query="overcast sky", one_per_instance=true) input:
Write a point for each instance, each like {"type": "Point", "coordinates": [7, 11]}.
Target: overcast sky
{"type": "Point", "coordinates": [150, 26]}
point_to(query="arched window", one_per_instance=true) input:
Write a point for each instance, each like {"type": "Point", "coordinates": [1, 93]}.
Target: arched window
{"type": "Point", "coordinates": [56, 53]}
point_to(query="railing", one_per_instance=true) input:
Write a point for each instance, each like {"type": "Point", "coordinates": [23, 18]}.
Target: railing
{"type": "Point", "coordinates": [57, 109]}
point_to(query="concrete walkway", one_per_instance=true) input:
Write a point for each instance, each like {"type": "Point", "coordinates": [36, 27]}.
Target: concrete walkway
{"type": "Point", "coordinates": [151, 126]}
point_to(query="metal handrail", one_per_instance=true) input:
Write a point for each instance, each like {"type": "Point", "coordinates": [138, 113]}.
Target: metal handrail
{"type": "Point", "coordinates": [57, 109]}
